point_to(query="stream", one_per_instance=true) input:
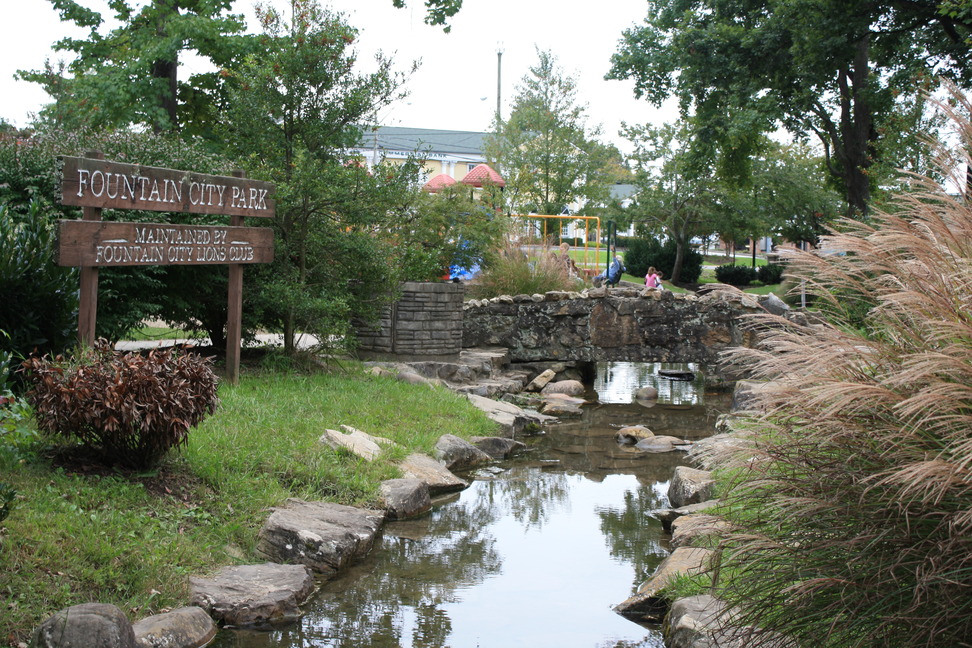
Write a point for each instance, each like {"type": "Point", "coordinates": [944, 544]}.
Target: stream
{"type": "Point", "coordinates": [538, 549]}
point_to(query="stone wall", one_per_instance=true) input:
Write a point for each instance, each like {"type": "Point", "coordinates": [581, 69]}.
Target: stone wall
{"type": "Point", "coordinates": [620, 324]}
{"type": "Point", "coordinates": [425, 321]}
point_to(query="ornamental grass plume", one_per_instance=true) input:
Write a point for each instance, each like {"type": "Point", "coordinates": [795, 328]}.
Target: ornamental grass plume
{"type": "Point", "coordinates": [513, 272]}
{"type": "Point", "coordinates": [854, 508]}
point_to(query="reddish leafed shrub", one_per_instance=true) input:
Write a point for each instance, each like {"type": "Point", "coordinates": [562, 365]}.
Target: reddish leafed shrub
{"type": "Point", "coordinates": [129, 408]}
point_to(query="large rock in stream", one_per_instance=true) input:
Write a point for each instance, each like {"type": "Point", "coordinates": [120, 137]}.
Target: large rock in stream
{"type": "Point", "coordinates": [498, 447]}
{"type": "Point", "coordinates": [188, 627]}
{"type": "Point", "coordinates": [689, 530]}
{"type": "Point", "coordinates": [660, 444]}
{"type": "Point", "coordinates": [696, 622]}
{"type": "Point", "coordinates": [690, 486]}
{"type": "Point", "coordinates": [437, 477]}
{"type": "Point", "coordinates": [89, 625]}
{"type": "Point", "coordinates": [632, 434]}
{"type": "Point", "coordinates": [562, 405]}
{"type": "Point", "coordinates": [253, 594]}
{"type": "Point", "coordinates": [567, 387]}
{"type": "Point", "coordinates": [324, 536]}
{"type": "Point", "coordinates": [405, 498]}
{"type": "Point", "coordinates": [512, 420]}
{"type": "Point", "coordinates": [540, 381]}
{"type": "Point", "coordinates": [704, 621]}
{"type": "Point", "coordinates": [647, 604]}
{"type": "Point", "coordinates": [668, 515]}
{"type": "Point", "coordinates": [459, 454]}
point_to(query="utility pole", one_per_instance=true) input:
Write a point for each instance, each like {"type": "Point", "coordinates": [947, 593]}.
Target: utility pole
{"type": "Point", "coordinates": [499, 77]}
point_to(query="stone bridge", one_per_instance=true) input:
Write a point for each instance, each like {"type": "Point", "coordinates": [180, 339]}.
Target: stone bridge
{"type": "Point", "coordinates": [619, 324]}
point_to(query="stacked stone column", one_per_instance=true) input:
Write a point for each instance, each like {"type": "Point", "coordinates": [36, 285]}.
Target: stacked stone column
{"type": "Point", "coordinates": [425, 321]}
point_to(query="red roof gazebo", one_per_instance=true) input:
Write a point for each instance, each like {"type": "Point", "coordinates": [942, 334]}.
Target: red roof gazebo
{"type": "Point", "coordinates": [483, 174]}
{"type": "Point", "coordinates": [438, 183]}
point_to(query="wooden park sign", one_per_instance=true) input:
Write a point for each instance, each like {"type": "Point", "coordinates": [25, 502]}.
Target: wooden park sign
{"type": "Point", "coordinates": [98, 243]}
{"type": "Point", "coordinates": [94, 183]}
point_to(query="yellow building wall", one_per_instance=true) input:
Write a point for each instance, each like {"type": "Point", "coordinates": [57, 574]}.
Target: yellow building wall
{"type": "Point", "coordinates": [433, 168]}
{"type": "Point", "coordinates": [457, 171]}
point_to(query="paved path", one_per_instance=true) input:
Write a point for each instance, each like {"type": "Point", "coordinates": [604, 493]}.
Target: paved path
{"type": "Point", "coordinates": [262, 339]}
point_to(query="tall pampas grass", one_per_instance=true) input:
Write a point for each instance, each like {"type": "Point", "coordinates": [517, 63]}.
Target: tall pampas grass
{"type": "Point", "coordinates": [512, 271]}
{"type": "Point", "coordinates": [855, 505]}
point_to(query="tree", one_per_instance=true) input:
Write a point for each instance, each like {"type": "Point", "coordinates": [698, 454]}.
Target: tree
{"type": "Point", "coordinates": [787, 197]}
{"type": "Point", "coordinates": [672, 198]}
{"type": "Point", "coordinates": [438, 12]}
{"type": "Point", "coordinates": [129, 75]}
{"type": "Point", "coordinates": [296, 107]}
{"type": "Point", "coordinates": [545, 152]}
{"type": "Point", "coordinates": [790, 180]}
{"type": "Point", "coordinates": [438, 231]}
{"type": "Point", "coordinates": [820, 68]}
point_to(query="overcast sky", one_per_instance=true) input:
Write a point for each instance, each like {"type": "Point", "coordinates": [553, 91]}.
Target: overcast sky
{"type": "Point", "coordinates": [456, 85]}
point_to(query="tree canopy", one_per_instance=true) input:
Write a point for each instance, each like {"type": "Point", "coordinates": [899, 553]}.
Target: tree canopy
{"type": "Point", "coordinates": [825, 68]}
{"type": "Point", "coordinates": [671, 201]}
{"type": "Point", "coordinates": [287, 105]}
{"type": "Point", "coordinates": [438, 12]}
{"type": "Point", "coordinates": [129, 75]}
{"type": "Point", "coordinates": [788, 197]}
{"type": "Point", "coordinates": [296, 107]}
{"type": "Point", "coordinates": [545, 151]}
{"type": "Point", "coordinates": [786, 193]}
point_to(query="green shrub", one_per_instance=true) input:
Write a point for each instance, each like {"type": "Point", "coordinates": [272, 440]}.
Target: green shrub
{"type": "Point", "coordinates": [636, 257]}
{"type": "Point", "coordinates": [130, 409]}
{"type": "Point", "coordinates": [6, 361]}
{"type": "Point", "coordinates": [663, 258]}
{"type": "Point", "coordinates": [19, 439]}
{"type": "Point", "coordinates": [735, 275]}
{"type": "Point", "coordinates": [771, 273]}
{"type": "Point", "coordinates": [38, 298]}
{"type": "Point", "coordinates": [691, 264]}
{"type": "Point", "coordinates": [853, 503]}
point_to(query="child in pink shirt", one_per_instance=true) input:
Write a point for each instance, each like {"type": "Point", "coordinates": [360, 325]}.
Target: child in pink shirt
{"type": "Point", "coordinates": [653, 278]}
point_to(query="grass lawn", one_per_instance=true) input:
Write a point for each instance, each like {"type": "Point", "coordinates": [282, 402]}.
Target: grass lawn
{"type": "Point", "coordinates": [741, 259]}
{"type": "Point", "coordinates": [591, 257]}
{"type": "Point", "coordinates": [79, 532]}
{"type": "Point", "coordinates": [765, 290]}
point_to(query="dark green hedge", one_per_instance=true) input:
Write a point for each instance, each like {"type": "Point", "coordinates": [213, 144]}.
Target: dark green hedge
{"type": "Point", "coordinates": [644, 253]}
{"type": "Point", "coordinates": [735, 275]}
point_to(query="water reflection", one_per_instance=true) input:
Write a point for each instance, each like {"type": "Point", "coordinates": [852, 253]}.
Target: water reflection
{"type": "Point", "coordinates": [536, 556]}
{"type": "Point", "coordinates": [627, 535]}
{"type": "Point", "coordinates": [617, 381]}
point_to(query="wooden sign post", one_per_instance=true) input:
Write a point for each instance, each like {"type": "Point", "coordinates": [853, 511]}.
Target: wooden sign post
{"type": "Point", "coordinates": [88, 297]}
{"type": "Point", "coordinates": [94, 183]}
